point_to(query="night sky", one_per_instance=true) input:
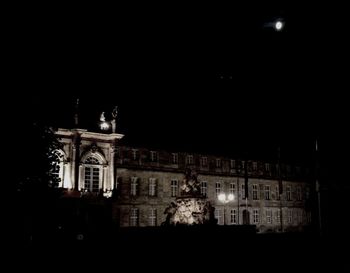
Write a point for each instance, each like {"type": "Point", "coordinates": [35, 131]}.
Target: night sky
{"type": "Point", "coordinates": [202, 78]}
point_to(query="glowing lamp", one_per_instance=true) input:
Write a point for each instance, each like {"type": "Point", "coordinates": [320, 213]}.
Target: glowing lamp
{"type": "Point", "coordinates": [231, 197]}
{"type": "Point", "coordinates": [278, 25]}
{"type": "Point", "coordinates": [222, 197]}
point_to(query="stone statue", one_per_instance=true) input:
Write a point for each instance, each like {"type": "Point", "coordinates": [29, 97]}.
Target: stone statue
{"type": "Point", "coordinates": [115, 112]}
{"type": "Point", "coordinates": [169, 211]}
{"type": "Point", "coordinates": [114, 116]}
{"type": "Point", "coordinates": [102, 117]}
{"type": "Point", "coordinates": [190, 185]}
{"type": "Point", "coordinates": [191, 208]}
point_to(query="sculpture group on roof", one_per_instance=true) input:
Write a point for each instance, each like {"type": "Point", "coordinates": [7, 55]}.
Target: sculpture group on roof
{"type": "Point", "coordinates": [107, 125]}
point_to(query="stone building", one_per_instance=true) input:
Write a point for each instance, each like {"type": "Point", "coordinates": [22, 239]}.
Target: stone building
{"type": "Point", "coordinates": [143, 182]}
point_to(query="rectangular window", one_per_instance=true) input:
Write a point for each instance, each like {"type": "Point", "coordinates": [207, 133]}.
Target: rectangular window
{"type": "Point", "coordinates": [255, 216]}
{"type": "Point", "coordinates": [135, 154]}
{"type": "Point", "coordinates": [267, 192]}
{"type": "Point", "coordinates": [152, 219]}
{"type": "Point", "coordinates": [189, 159]}
{"type": "Point", "coordinates": [217, 188]}
{"type": "Point", "coordinates": [278, 216]}
{"type": "Point", "coordinates": [289, 193]}
{"type": "Point", "coordinates": [218, 216]}
{"type": "Point", "coordinates": [174, 188]}
{"type": "Point", "coordinates": [243, 191]}
{"type": "Point", "coordinates": [119, 183]}
{"type": "Point", "coordinates": [307, 193]}
{"type": "Point", "coordinates": [233, 218]}
{"type": "Point", "coordinates": [134, 217]}
{"type": "Point", "coordinates": [204, 161]}
{"type": "Point", "coordinates": [255, 166]}
{"type": "Point", "coordinates": [300, 216]}
{"type": "Point", "coordinates": [267, 167]}
{"type": "Point", "coordinates": [308, 217]}
{"type": "Point", "coordinates": [255, 192]}
{"type": "Point", "coordinates": [233, 164]}
{"type": "Point", "coordinates": [232, 188]}
{"type": "Point", "coordinates": [290, 216]}
{"type": "Point", "coordinates": [277, 192]}
{"type": "Point", "coordinates": [92, 179]}
{"type": "Point", "coordinates": [87, 178]}
{"type": "Point", "coordinates": [218, 163]}
{"type": "Point", "coordinates": [269, 216]}
{"type": "Point", "coordinates": [134, 186]}
{"type": "Point", "coordinates": [174, 158]}
{"type": "Point", "coordinates": [154, 156]}
{"type": "Point", "coordinates": [95, 179]}
{"type": "Point", "coordinates": [299, 195]}
{"type": "Point", "coordinates": [152, 187]}
{"type": "Point", "coordinates": [204, 188]}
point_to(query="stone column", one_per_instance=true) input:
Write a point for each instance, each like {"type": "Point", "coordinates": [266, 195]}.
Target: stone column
{"type": "Point", "coordinates": [104, 177]}
{"type": "Point", "coordinates": [73, 167]}
{"type": "Point", "coordinates": [63, 166]}
{"type": "Point", "coordinates": [80, 178]}
{"type": "Point", "coordinates": [76, 160]}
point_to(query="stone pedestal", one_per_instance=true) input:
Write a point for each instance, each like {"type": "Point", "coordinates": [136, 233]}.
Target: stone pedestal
{"type": "Point", "coordinates": [191, 208]}
{"type": "Point", "coordinates": [189, 211]}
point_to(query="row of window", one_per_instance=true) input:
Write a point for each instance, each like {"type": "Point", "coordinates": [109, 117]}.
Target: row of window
{"type": "Point", "coordinates": [135, 216]}
{"type": "Point", "coordinates": [174, 159]}
{"type": "Point", "coordinates": [268, 193]}
{"type": "Point", "coordinates": [266, 190]}
{"type": "Point", "coordinates": [92, 177]}
{"type": "Point", "coordinates": [92, 181]}
{"type": "Point", "coordinates": [270, 217]}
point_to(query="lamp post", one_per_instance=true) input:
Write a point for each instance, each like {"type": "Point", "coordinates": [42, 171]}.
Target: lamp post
{"type": "Point", "coordinates": [223, 198]}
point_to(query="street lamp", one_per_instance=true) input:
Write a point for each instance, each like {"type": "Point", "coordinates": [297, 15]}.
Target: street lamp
{"type": "Point", "coordinates": [223, 198]}
{"type": "Point", "coordinates": [279, 25]}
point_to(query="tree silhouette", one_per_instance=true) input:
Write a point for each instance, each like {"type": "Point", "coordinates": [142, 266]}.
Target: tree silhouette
{"type": "Point", "coordinates": [35, 160]}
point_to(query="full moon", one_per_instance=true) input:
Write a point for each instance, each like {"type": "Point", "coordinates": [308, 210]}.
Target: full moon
{"type": "Point", "coordinates": [278, 25]}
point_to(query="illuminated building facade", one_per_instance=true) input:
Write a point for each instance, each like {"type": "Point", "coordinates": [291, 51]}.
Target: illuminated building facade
{"type": "Point", "coordinates": [143, 182]}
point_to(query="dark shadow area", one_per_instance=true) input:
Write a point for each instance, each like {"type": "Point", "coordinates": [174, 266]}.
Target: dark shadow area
{"type": "Point", "coordinates": [191, 247]}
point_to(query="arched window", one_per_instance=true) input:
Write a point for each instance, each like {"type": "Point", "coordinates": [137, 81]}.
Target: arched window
{"type": "Point", "coordinates": [92, 160]}
{"type": "Point", "coordinates": [92, 177]}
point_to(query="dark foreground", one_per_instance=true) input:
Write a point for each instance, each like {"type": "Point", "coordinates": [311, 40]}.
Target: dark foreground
{"type": "Point", "coordinates": [194, 248]}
